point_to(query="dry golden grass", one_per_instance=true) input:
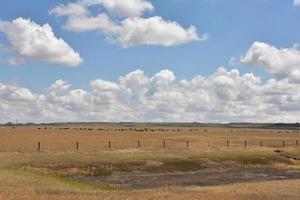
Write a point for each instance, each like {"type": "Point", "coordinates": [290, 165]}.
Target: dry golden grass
{"type": "Point", "coordinates": [53, 138]}
{"type": "Point", "coordinates": [19, 146]}
{"type": "Point", "coordinates": [31, 188]}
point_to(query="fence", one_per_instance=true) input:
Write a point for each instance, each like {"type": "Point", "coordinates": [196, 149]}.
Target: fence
{"type": "Point", "coordinates": [42, 146]}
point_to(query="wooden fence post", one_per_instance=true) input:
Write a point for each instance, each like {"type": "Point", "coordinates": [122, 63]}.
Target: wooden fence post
{"type": "Point", "coordinates": [109, 144]}
{"type": "Point", "coordinates": [187, 144]}
{"type": "Point", "coordinates": [227, 143]}
{"type": "Point", "coordinates": [39, 146]}
{"type": "Point", "coordinates": [164, 144]}
{"type": "Point", "coordinates": [139, 144]}
{"type": "Point", "coordinates": [283, 143]}
{"type": "Point", "coordinates": [77, 145]}
{"type": "Point", "coordinates": [261, 143]}
{"type": "Point", "coordinates": [245, 143]}
{"type": "Point", "coordinates": [296, 142]}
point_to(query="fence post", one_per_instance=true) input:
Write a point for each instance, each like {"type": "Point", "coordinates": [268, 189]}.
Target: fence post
{"type": "Point", "coordinates": [109, 144]}
{"type": "Point", "coordinates": [261, 143]}
{"type": "Point", "coordinates": [296, 142]}
{"type": "Point", "coordinates": [283, 143]}
{"type": "Point", "coordinates": [187, 144]}
{"type": "Point", "coordinates": [39, 146]}
{"type": "Point", "coordinates": [139, 144]}
{"type": "Point", "coordinates": [227, 143]}
{"type": "Point", "coordinates": [164, 144]}
{"type": "Point", "coordinates": [77, 145]}
{"type": "Point", "coordinates": [245, 143]}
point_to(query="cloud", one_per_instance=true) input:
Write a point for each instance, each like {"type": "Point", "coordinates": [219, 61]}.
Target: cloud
{"type": "Point", "coordinates": [224, 96]}
{"type": "Point", "coordinates": [15, 94]}
{"type": "Point", "coordinates": [71, 9]}
{"type": "Point", "coordinates": [128, 8]}
{"type": "Point", "coordinates": [129, 28]}
{"type": "Point", "coordinates": [283, 63]}
{"type": "Point", "coordinates": [79, 18]}
{"type": "Point", "coordinates": [155, 31]}
{"type": "Point", "coordinates": [31, 41]}
{"type": "Point", "coordinates": [297, 2]}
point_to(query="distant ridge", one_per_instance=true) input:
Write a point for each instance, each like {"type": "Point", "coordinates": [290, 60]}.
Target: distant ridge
{"type": "Point", "coordinates": [287, 126]}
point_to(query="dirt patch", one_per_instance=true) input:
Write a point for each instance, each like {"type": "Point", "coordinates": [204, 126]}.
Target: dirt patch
{"type": "Point", "coordinates": [155, 173]}
{"type": "Point", "coordinates": [204, 177]}
{"type": "Point", "coordinates": [175, 166]}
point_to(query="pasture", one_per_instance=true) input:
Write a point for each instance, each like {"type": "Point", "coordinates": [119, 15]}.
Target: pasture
{"type": "Point", "coordinates": [146, 161]}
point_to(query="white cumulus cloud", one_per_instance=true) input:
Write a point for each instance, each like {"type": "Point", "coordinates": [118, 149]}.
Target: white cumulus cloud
{"type": "Point", "coordinates": [224, 96]}
{"type": "Point", "coordinates": [32, 41]}
{"type": "Point", "coordinates": [283, 63]}
{"type": "Point", "coordinates": [155, 31]}
{"type": "Point", "coordinates": [130, 27]}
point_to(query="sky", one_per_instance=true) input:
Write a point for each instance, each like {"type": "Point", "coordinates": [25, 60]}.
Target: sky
{"type": "Point", "coordinates": [150, 60]}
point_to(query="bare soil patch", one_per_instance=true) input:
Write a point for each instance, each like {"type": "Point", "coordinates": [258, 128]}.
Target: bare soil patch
{"type": "Point", "coordinates": [205, 177]}
{"type": "Point", "coordinates": [181, 172]}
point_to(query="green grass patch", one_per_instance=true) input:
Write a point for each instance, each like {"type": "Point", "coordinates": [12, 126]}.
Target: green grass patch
{"type": "Point", "coordinates": [63, 182]}
{"type": "Point", "coordinates": [176, 166]}
{"type": "Point", "coordinates": [251, 159]}
{"type": "Point", "coordinates": [257, 166]}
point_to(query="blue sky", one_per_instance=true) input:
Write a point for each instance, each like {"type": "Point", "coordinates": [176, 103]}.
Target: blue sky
{"type": "Point", "coordinates": [232, 25]}
{"type": "Point", "coordinates": [182, 39]}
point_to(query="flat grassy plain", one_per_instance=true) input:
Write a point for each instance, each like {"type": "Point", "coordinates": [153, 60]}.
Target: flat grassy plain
{"type": "Point", "coordinates": [147, 162]}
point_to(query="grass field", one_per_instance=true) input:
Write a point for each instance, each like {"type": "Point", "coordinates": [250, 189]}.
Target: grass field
{"type": "Point", "coordinates": [148, 162]}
